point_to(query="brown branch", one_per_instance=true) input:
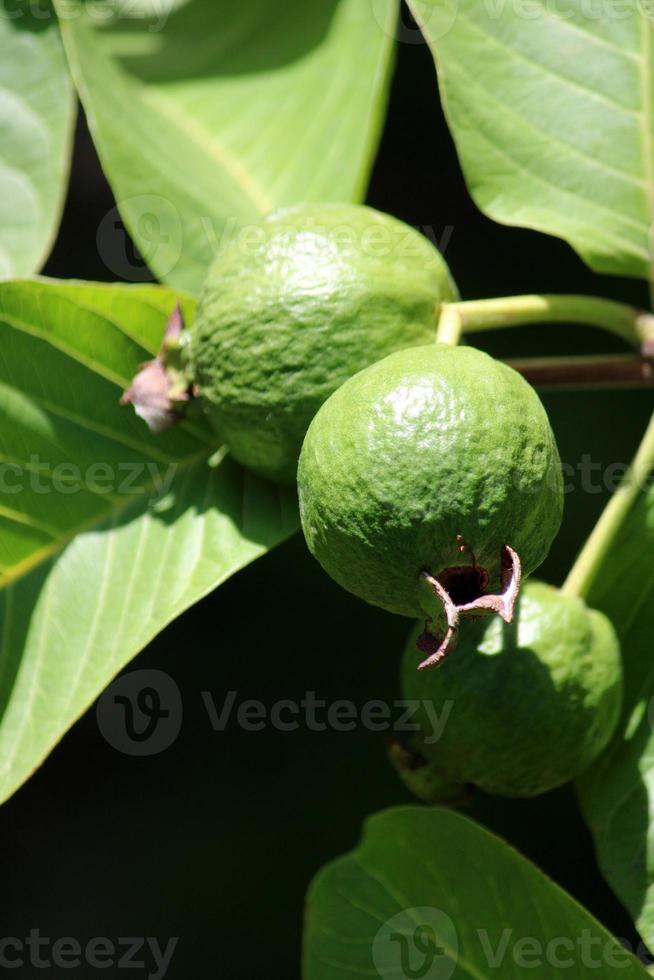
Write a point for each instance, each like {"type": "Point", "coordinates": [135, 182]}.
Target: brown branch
{"type": "Point", "coordinates": [614, 371]}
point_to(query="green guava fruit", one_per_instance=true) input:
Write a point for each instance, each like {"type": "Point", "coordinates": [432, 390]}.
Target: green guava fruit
{"type": "Point", "coordinates": [425, 482]}
{"type": "Point", "coordinates": [521, 708]}
{"type": "Point", "coordinates": [309, 297]}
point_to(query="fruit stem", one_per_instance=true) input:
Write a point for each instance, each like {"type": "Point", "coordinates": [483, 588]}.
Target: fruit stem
{"type": "Point", "coordinates": [628, 322]}
{"type": "Point", "coordinates": [450, 325]}
{"type": "Point", "coordinates": [589, 562]}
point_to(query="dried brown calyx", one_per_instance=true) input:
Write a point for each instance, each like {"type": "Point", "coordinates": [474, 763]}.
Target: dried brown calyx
{"type": "Point", "coordinates": [460, 592]}
{"type": "Point", "coordinates": [161, 390]}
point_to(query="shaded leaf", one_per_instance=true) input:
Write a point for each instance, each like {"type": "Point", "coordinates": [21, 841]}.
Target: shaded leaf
{"type": "Point", "coordinates": [617, 793]}
{"type": "Point", "coordinates": [552, 110]}
{"type": "Point", "coordinates": [37, 113]}
{"type": "Point", "coordinates": [107, 533]}
{"type": "Point", "coordinates": [430, 894]}
{"type": "Point", "coordinates": [215, 114]}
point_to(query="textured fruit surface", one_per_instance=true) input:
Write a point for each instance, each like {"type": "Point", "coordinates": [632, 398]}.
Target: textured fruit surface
{"type": "Point", "coordinates": [530, 704]}
{"type": "Point", "coordinates": [429, 448]}
{"type": "Point", "coordinates": [315, 294]}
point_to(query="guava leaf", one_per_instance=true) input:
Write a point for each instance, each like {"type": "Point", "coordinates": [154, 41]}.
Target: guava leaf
{"type": "Point", "coordinates": [617, 793]}
{"type": "Point", "coordinates": [430, 894]}
{"type": "Point", "coordinates": [209, 115]}
{"type": "Point", "coordinates": [107, 533]}
{"type": "Point", "coordinates": [37, 113]}
{"type": "Point", "coordinates": [552, 110]}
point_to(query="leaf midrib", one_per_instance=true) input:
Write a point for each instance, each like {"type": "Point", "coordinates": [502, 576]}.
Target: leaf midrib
{"type": "Point", "coordinates": [42, 555]}
{"type": "Point", "coordinates": [214, 148]}
{"type": "Point", "coordinates": [111, 434]}
{"type": "Point", "coordinates": [403, 902]}
{"type": "Point", "coordinates": [27, 520]}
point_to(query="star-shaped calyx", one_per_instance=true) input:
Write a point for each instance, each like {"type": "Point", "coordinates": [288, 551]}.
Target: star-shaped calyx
{"type": "Point", "coordinates": [437, 642]}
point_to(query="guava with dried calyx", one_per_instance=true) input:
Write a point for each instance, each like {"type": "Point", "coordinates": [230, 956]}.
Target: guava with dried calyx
{"type": "Point", "coordinates": [296, 306]}
{"type": "Point", "coordinates": [518, 709]}
{"type": "Point", "coordinates": [427, 482]}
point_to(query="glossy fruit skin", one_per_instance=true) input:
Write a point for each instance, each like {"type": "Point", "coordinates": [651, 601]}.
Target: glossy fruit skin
{"type": "Point", "coordinates": [427, 448]}
{"type": "Point", "coordinates": [320, 292]}
{"type": "Point", "coordinates": [532, 704]}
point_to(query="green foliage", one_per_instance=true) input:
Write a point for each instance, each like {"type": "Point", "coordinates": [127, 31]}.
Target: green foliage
{"type": "Point", "coordinates": [202, 131]}
{"type": "Point", "coordinates": [616, 793]}
{"type": "Point", "coordinates": [425, 889]}
{"type": "Point", "coordinates": [106, 533]}
{"type": "Point", "coordinates": [37, 112]}
{"type": "Point", "coordinates": [207, 116]}
{"type": "Point", "coordinates": [551, 111]}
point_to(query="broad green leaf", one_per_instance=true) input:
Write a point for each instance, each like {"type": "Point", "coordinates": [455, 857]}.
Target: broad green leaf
{"type": "Point", "coordinates": [551, 106]}
{"type": "Point", "coordinates": [430, 894]}
{"type": "Point", "coordinates": [216, 113]}
{"type": "Point", "coordinates": [37, 113]}
{"type": "Point", "coordinates": [106, 532]}
{"type": "Point", "coordinates": [617, 794]}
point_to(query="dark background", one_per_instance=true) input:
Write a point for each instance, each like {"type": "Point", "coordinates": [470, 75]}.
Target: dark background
{"type": "Point", "coordinates": [216, 839]}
